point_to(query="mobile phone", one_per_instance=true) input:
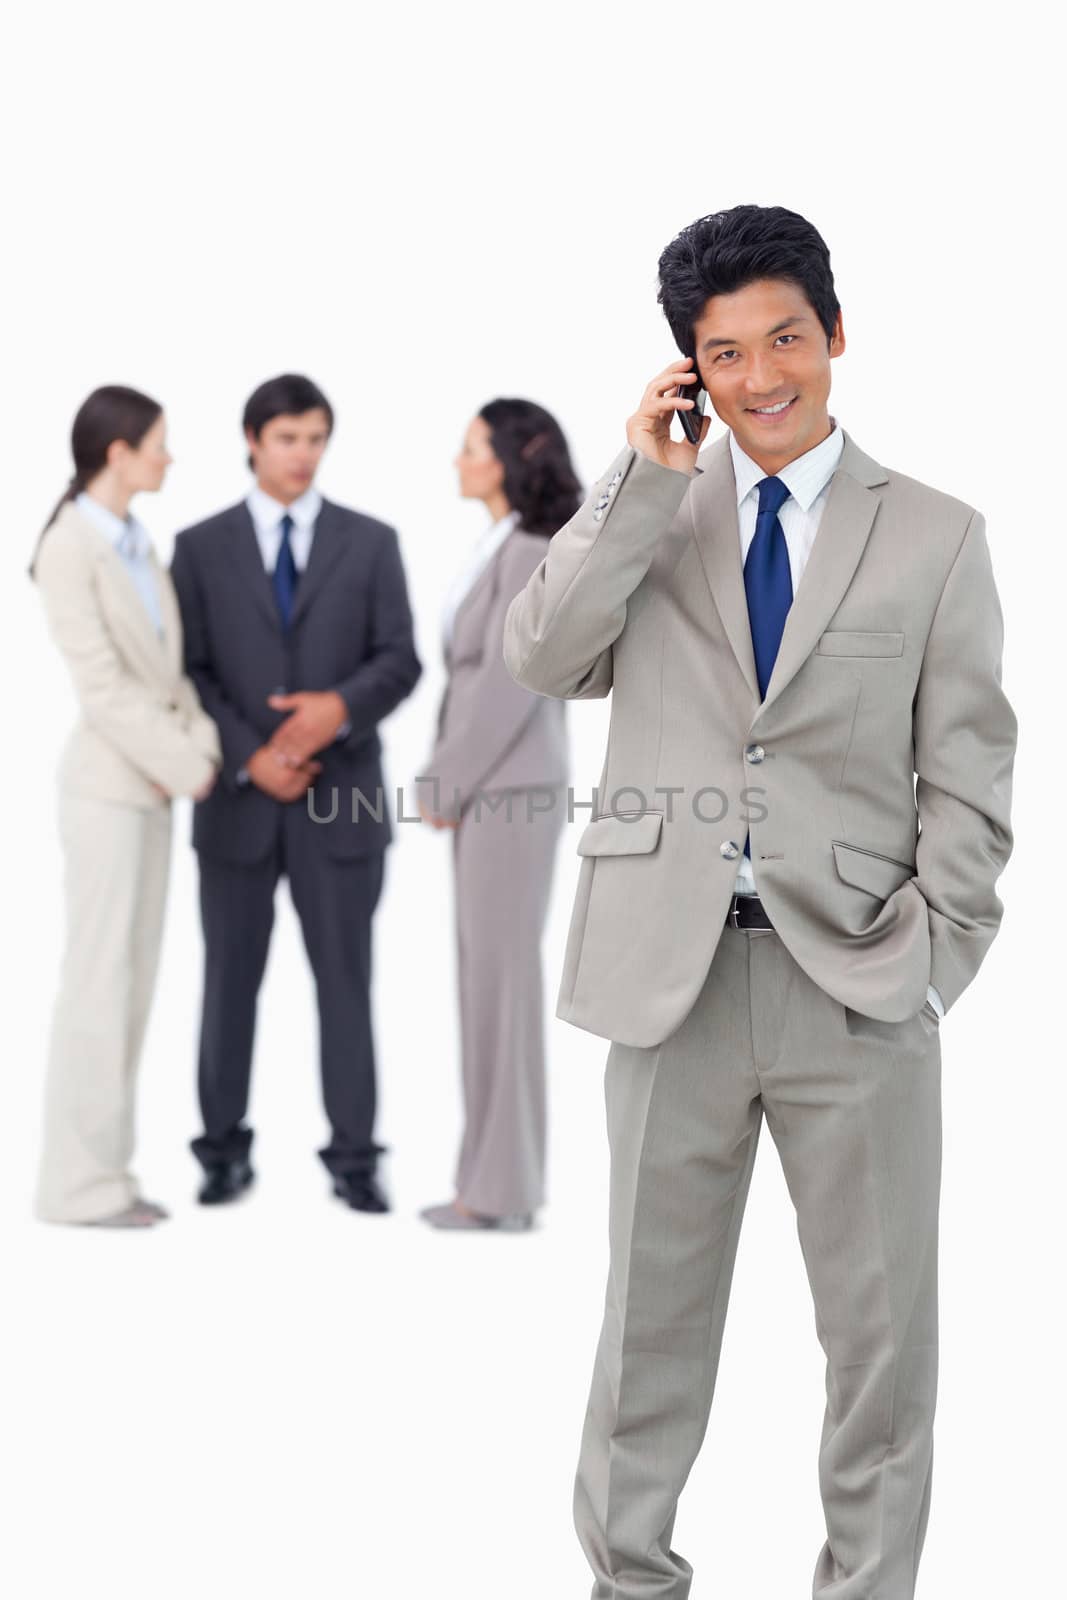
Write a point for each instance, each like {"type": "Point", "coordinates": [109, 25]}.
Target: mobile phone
{"type": "Point", "coordinates": [692, 419]}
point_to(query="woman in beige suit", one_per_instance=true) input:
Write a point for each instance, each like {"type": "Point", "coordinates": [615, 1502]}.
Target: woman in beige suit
{"type": "Point", "coordinates": [140, 739]}
{"type": "Point", "coordinates": [499, 774]}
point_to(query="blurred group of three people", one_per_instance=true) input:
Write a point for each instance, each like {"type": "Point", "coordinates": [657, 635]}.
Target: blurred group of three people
{"type": "Point", "coordinates": [252, 678]}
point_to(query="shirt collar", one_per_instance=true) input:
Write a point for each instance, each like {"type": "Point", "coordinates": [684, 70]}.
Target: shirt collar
{"type": "Point", "coordinates": [267, 512]}
{"type": "Point", "coordinates": [498, 531]}
{"type": "Point", "coordinates": [125, 533]}
{"type": "Point", "coordinates": [805, 478]}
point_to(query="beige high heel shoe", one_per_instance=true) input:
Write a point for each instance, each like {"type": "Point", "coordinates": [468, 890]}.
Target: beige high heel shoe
{"type": "Point", "coordinates": [138, 1214]}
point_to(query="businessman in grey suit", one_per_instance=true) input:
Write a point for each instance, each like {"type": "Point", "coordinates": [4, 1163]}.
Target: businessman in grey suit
{"type": "Point", "coordinates": [802, 816]}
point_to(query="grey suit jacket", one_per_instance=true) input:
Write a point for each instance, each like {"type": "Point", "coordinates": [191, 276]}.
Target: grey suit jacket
{"type": "Point", "coordinates": [491, 733]}
{"type": "Point", "coordinates": [883, 749]}
{"type": "Point", "coordinates": [351, 630]}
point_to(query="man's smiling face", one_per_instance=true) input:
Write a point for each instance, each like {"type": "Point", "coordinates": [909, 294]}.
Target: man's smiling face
{"type": "Point", "coordinates": [764, 359]}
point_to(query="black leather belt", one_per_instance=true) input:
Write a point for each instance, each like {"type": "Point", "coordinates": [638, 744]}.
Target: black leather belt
{"type": "Point", "coordinates": [746, 911]}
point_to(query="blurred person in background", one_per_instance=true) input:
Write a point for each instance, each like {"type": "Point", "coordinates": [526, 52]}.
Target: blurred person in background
{"type": "Point", "coordinates": [497, 778]}
{"type": "Point", "coordinates": [299, 638]}
{"type": "Point", "coordinates": [141, 738]}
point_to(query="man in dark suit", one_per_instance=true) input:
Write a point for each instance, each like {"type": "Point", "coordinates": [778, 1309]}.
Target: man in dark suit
{"type": "Point", "coordinates": [299, 638]}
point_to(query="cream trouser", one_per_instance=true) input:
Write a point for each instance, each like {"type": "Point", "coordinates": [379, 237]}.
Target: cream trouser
{"type": "Point", "coordinates": [116, 865]}
{"type": "Point", "coordinates": [854, 1108]}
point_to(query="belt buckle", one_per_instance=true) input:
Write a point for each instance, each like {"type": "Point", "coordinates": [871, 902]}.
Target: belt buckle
{"type": "Point", "coordinates": [733, 916]}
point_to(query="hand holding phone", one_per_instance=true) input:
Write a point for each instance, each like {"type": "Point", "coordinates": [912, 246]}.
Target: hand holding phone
{"type": "Point", "coordinates": [693, 421]}
{"type": "Point", "coordinates": [649, 429]}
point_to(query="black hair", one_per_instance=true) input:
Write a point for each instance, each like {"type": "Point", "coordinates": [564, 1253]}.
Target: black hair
{"type": "Point", "coordinates": [539, 480]}
{"type": "Point", "coordinates": [729, 249]}
{"type": "Point", "coordinates": [110, 413]}
{"type": "Point", "coordinates": [289, 395]}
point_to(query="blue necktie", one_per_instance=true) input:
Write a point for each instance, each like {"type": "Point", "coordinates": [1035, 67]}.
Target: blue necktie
{"type": "Point", "coordinates": [284, 578]}
{"type": "Point", "coordinates": [768, 583]}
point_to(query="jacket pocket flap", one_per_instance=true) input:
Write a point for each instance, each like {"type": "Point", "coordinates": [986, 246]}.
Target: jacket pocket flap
{"type": "Point", "coordinates": [879, 875]}
{"type": "Point", "coordinates": [838, 642]}
{"type": "Point", "coordinates": [621, 834]}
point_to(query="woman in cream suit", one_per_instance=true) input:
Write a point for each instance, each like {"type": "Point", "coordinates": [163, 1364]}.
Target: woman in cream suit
{"type": "Point", "coordinates": [140, 739]}
{"type": "Point", "coordinates": [500, 771]}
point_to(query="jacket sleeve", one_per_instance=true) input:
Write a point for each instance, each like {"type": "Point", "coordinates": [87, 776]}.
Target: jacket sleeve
{"type": "Point", "coordinates": [202, 729]}
{"type": "Point", "coordinates": [965, 737]}
{"type": "Point", "coordinates": [238, 737]}
{"type": "Point", "coordinates": [560, 629]}
{"type": "Point", "coordinates": [151, 735]}
{"type": "Point", "coordinates": [391, 668]}
{"type": "Point", "coordinates": [487, 708]}
{"type": "Point", "coordinates": [199, 726]}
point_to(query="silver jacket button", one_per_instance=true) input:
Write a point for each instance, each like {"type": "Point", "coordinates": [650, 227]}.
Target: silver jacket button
{"type": "Point", "coordinates": [729, 850]}
{"type": "Point", "coordinates": [754, 753]}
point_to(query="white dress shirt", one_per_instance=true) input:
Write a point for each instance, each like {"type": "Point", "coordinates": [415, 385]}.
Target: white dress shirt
{"type": "Point", "coordinates": [267, 514]}
{"type": "Point", "coordinates": [808, 481]}
{"type": "Point", "coordinates": [134, 546]}
{"type": "Point", "coordinates": [477, 560]}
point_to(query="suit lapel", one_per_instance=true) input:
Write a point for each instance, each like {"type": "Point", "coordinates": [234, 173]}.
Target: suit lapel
{"type": "Point", "coordinates": [718, 540]}
{"type": "Point", "coordinates": [126, 606]}
{"type": "Point", "coordinates": [844, 529]}
{"type": "Point", "coordinates": [465, 611]}
{"type": "Point", "coordinates": [840, 542]}
{"type": "Point", "coordinates": [327, 546]}
{"type": "Point", "coordinates": [172, 622]}
{"type": "Point", "coordinates": [244, 548]}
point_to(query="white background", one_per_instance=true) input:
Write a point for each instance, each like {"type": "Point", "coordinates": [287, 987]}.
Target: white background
{"type": "Point", "coordinates": [423, 211]}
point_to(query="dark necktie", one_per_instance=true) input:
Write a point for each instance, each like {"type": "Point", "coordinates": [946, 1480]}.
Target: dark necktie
{"type": "Point", "coordinates": [285, 575]}
{"type": "Point", "coordinates": [768, 583]}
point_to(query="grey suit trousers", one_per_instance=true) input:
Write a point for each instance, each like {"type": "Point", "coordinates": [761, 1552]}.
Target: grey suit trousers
{"type": "Point", "coordinates": [853, 1106]}
{"type": "Point", "coordinates": [504, 851]}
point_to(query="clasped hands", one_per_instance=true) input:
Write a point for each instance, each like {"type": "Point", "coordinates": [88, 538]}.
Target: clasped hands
{"type": "Point", "coordinates": [283, 767]}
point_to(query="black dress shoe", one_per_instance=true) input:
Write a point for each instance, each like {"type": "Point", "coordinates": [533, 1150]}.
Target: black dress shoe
{"type": "Point", "coordinates": [360, 1190]}
{"type": "Point", "coordinates": [225, 1182]}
